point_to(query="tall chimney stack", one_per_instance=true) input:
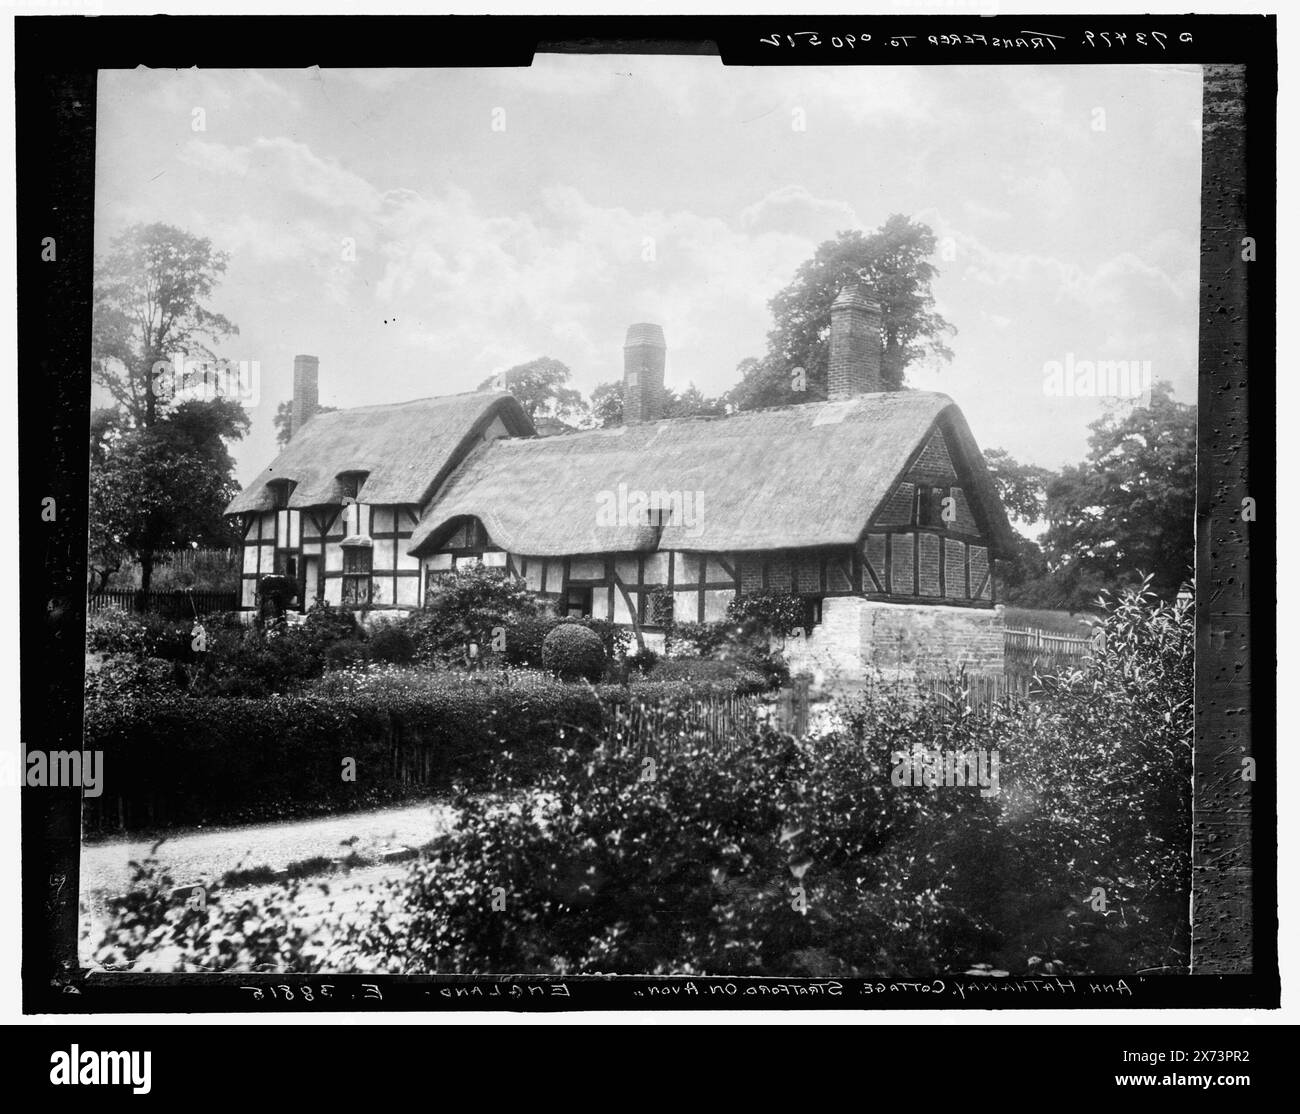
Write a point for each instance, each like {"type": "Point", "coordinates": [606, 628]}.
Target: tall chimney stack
{"type": "Point", "coordinates": [644, 353]}
{"type": "Point", "coordinates": [854, 367]}
{"type": "Point", "coordinates": [306, 392]}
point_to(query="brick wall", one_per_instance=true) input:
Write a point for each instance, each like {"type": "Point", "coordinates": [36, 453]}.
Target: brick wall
{"type": "Point", "coordinates": [897, 510]}
{"type": "Point", "coordinates": [934, 460]}
{"type": "Point", "coordinates": [927, 565]}
{"type": "Point", "coordinates": [859, 639]}
{"type": "Point", "coordinates": [855, 345]}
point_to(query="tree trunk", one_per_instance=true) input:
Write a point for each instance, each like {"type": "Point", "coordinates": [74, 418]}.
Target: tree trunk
{"type": "Point", "coordinates": [146, 579]}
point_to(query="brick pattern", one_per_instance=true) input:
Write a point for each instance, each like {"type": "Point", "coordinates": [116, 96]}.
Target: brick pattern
{"type": "Point", "coordinates": [928, 565]}
{"type": "Point", "coordinates": [934, 461]}
{"type": "Point", "coordinates": [965, 520]}
{"type": "Point", "coordinates": [897, 509]}
{"type": "Point", "coordinates": [751, 573]}
{"type": "Point", "coordinates": [874, 552]}
{"type": "Point", "coordinates": [933, 640]}
{"type": "Point", "coordinates": [644, 356]}
{"type": "Point", "coordinates": [954, 569]}
{"type": "Point", "coordinates": [779, 573]}
{"type": "Point", "coordinates": [839, 572]}
{"type": "Point", "coordinates": [864, 640]}
{"type": "Point", "coordinates": [979, 567]}
{"type": "Point", "coordinates": [808, 572]}
{"type": "Point", "coordinates": [902, 580]}
{"type": "Point", "coordinates": [855, 347]}
{"type": "Point", "coordinates": [306, 388]}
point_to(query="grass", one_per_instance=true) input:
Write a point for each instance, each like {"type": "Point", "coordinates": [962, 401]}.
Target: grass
{"type": "Point", "coordinates": [1076, 624]}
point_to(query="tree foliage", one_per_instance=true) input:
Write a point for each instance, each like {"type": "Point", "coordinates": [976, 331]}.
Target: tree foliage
{"type": "Point", "coordinates": [605, 407]}
{"type": "Point", "coordinates": [149, 299]}
{"type": "Point", "coordinates": [895, 262]}
{"type": "Point", "coordinates": [163, 487]}
{"type": "Point", "coordinates": [1127, 510]}
{"type": "Point", "coordinates": [541, 386]}
{"type": "Point", "coordinates": [161, 474]}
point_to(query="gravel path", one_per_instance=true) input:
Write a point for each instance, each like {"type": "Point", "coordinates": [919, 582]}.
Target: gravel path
{"type": "Point", "coordinates": [201, 857]}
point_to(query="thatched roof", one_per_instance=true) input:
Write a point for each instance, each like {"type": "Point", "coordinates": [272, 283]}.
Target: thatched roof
{"type": "Point", "coordinates": [407, 449]}
{"type": "Point", "coordinates": [787, 477]}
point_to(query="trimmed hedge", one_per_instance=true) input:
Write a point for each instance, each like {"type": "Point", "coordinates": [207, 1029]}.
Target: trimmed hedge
{"type": "Point", "coordinates": [172, 759]}
{"type": "Point", "coordinates": [187, 761]}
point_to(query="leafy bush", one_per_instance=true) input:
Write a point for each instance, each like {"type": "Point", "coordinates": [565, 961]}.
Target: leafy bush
{"type": "Point", "coordinates": [778, 613]}
{"type": "Point", "coordinates": [643, 660]}
{"type": "Point", "coordinates": [114, 631]}
{"type": "Point", "coordinates": [1101, 799]}
{"type": "Point", "coordinates": [775, 859]}
{"type": "Point", "coordinates": [702, 640]}
{"type": "Point", "coordinates": [276, 656]}
{"type": "Point", "coordinates": [332, 624]}
{"type": "Point", "coordinates": [615, 639]}
{"type": "Point", "coordinates": [472, 605]}
{"type": "Point", "coordinates": [152, 927]}
{"type": "Point", "coordinates": [573, 652]}
{"type": "Point", "coordinates": [392, 642]}
{"type": "Point", "coordinates": [524, 639]}
{"type": "Point", "coordinates": [706, 669]}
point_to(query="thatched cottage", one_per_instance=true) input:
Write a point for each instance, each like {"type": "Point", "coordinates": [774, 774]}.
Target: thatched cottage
{"type": "Point", "coordinates": [875, 507]}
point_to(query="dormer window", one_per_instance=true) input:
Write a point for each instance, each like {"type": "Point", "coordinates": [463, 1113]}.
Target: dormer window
{"type": "Point", "coordinates": [280, 492]}
{"type": "Point", "coordinates": [350, 484]}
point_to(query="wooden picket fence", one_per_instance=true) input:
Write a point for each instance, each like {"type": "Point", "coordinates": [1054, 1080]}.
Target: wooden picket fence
{"type": "Point", "coordinates": [1033, 641]}
{"type": "Point", "coordinates": [178, 604]}
{"type": "Point", "coordinates": [721, 721]}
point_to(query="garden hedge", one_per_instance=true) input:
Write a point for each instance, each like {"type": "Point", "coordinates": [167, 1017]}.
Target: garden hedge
{"type": "Point", "coordinates": [172, 759]}
{"type": "Point", "coordinates": [186, 760]}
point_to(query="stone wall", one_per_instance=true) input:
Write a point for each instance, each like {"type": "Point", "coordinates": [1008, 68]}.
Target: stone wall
{"type": "Point", "coordinates": [858, 639]}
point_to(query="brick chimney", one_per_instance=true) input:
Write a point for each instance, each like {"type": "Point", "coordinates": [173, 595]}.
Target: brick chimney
{"type": "Point", "coordinates": [306, 394]}
{"type": "Point", "coordinates": [854, 367]}
{"type": "Point", "coordinates": [643, 374]}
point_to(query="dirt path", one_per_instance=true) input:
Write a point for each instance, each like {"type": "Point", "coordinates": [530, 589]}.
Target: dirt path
{"type": "Point", "coordinates": [202, 857]}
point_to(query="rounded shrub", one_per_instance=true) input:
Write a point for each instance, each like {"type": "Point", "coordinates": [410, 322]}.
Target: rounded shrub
{"type": "Point", "coordinates": [573, 651]}
{"type": "Point", "coordinates": [392, 643]}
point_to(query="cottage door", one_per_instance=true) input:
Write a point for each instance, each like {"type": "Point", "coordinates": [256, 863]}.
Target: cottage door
{"type": "Point", "coordinates": [311, 585]}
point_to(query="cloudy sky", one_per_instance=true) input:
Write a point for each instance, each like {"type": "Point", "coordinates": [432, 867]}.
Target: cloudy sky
{"type": "Point", "coordinates": [499, 215]}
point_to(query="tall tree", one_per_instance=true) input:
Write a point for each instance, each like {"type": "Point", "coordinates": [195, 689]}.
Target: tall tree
{"type": "Point", "coordinates": [161, 474]}
{"type": "Point", "coordinates": [163, 487]}
{"type": "Point", "coordinates": [1129, 509]}
{"type": "Point", "coordinates": [1021, 487]}
{"type": "Point", "coordinates": [541, 386]}
{"type": "Point", "coordinates": [148, 309]}
{"type": "Point", "coordinates": [895, 262]}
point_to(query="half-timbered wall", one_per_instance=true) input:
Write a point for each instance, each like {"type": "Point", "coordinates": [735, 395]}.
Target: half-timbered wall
{"type": "Point", "coordinates": [308, 545]}
{"type": "Point", "coordinates": [924, 543]}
